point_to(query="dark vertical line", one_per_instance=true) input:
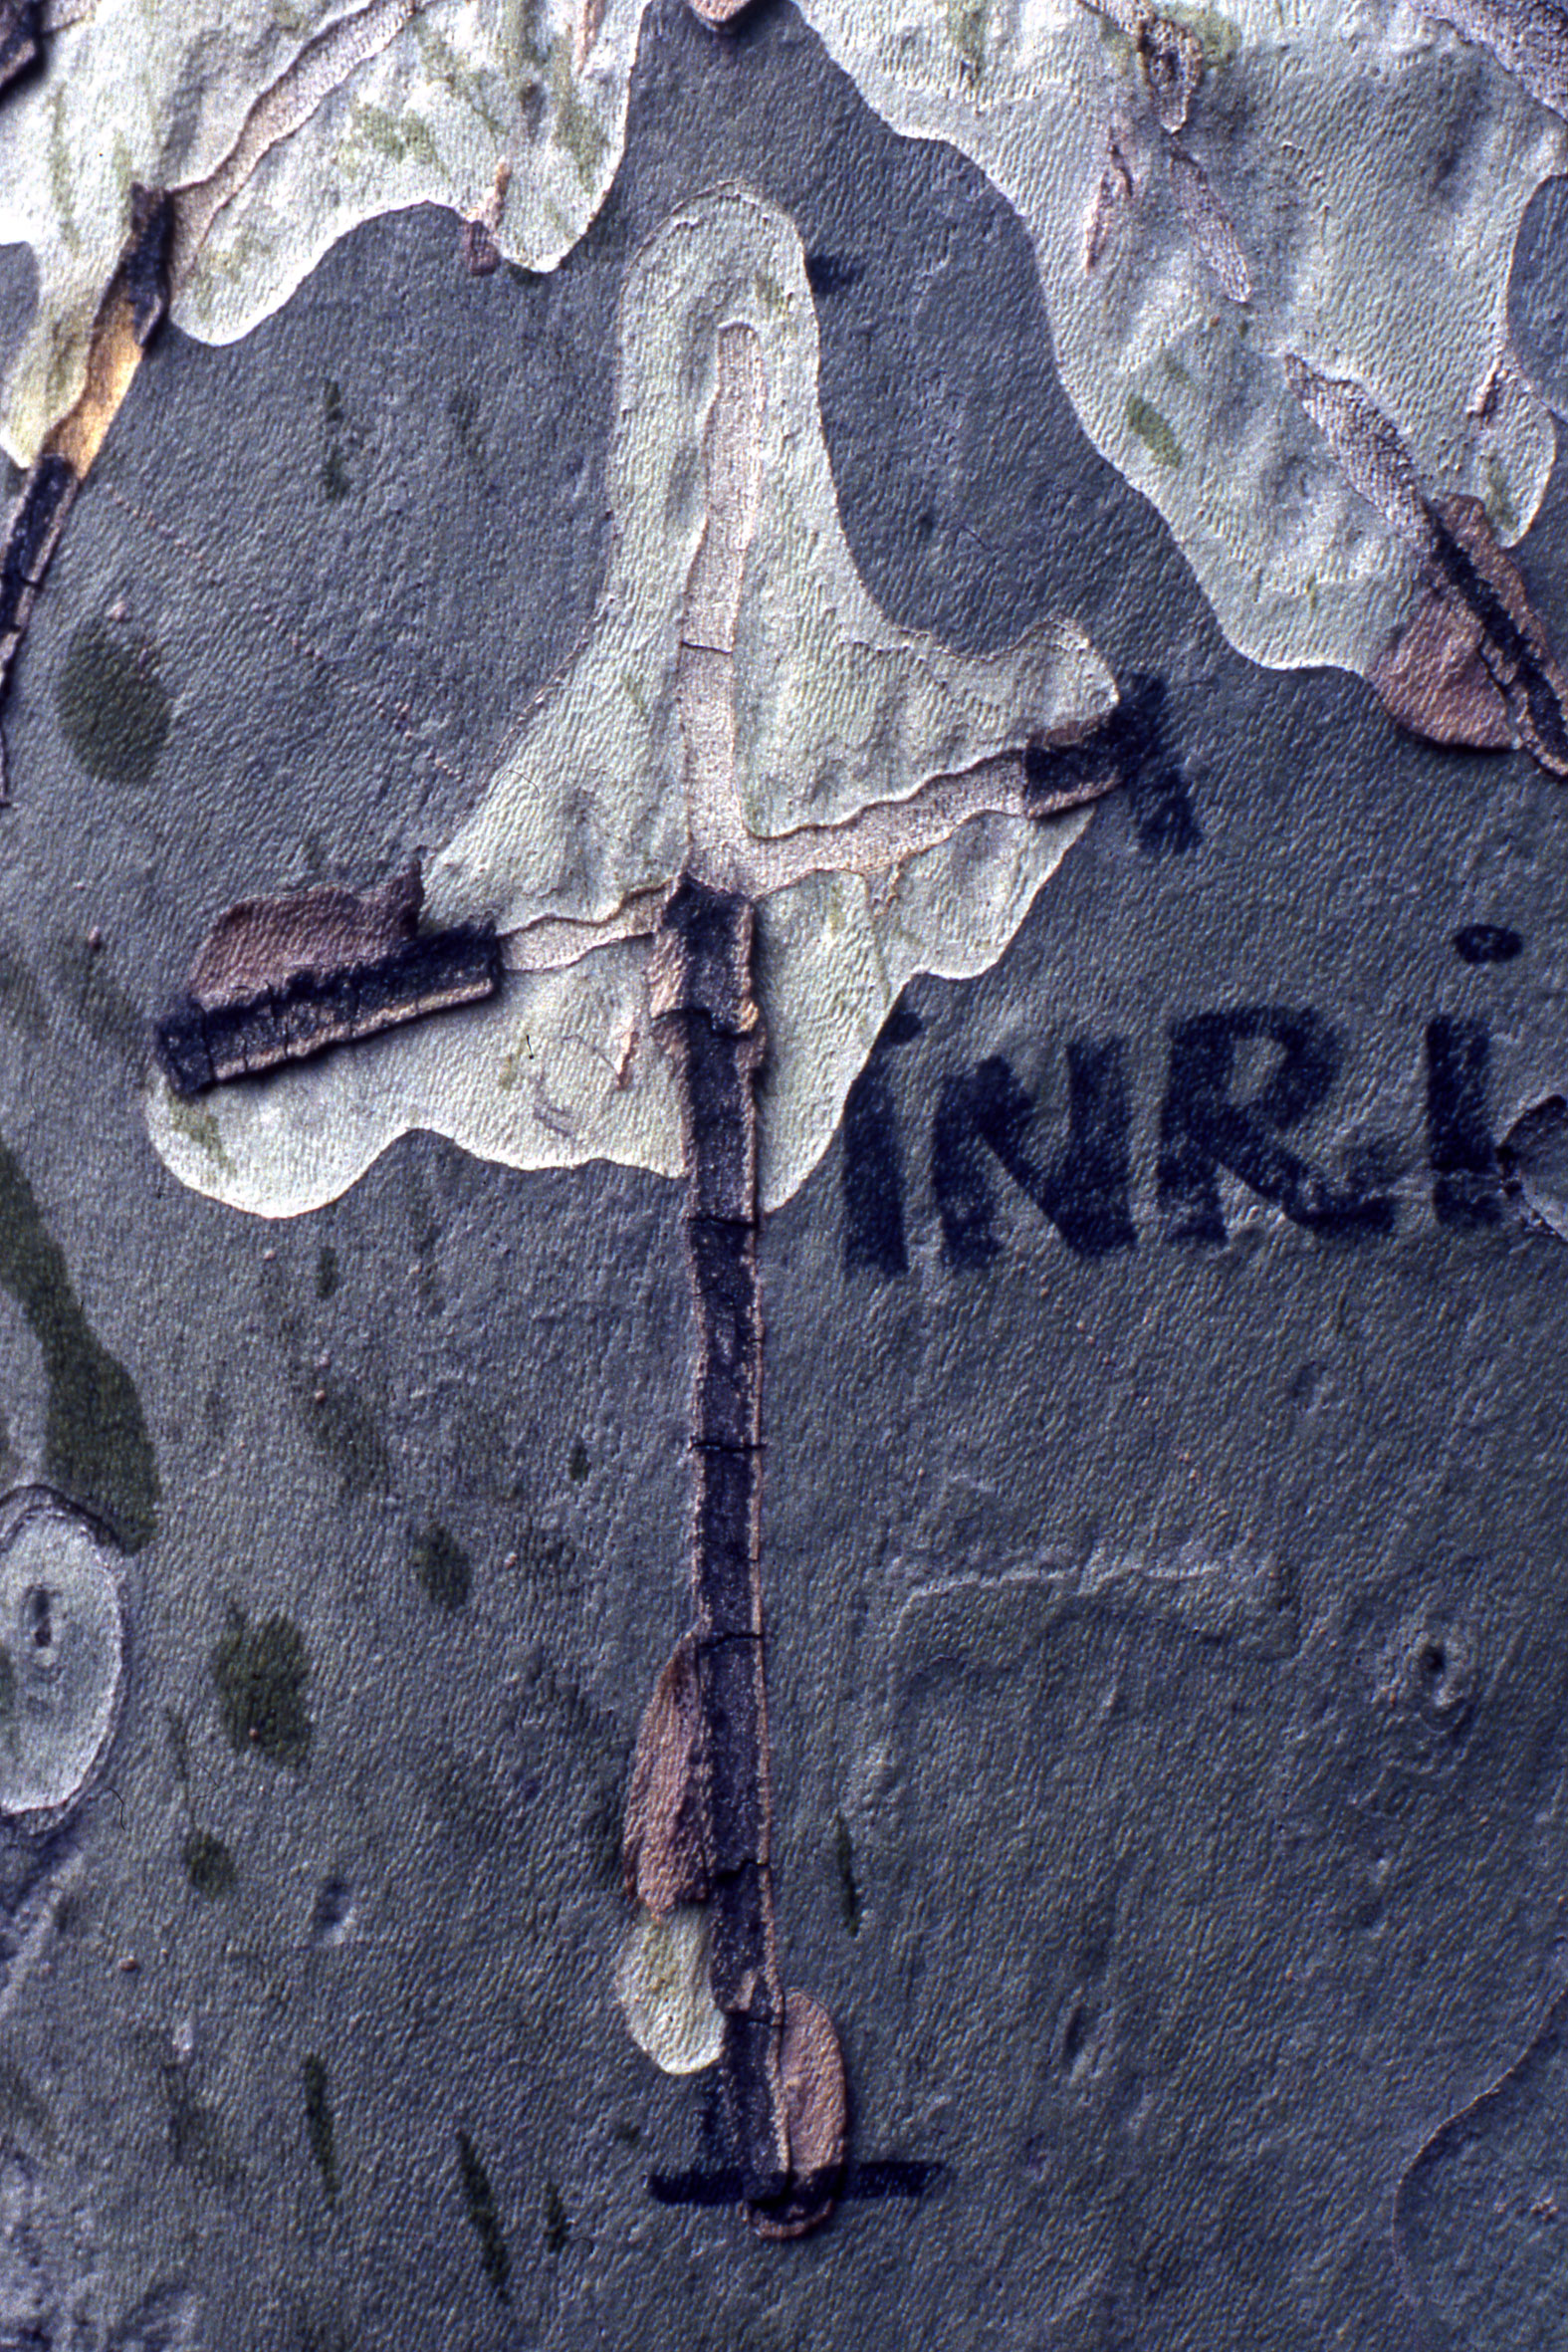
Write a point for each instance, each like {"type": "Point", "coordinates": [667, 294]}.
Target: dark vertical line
{"type": "Point", "coordinates": [708, 1020]}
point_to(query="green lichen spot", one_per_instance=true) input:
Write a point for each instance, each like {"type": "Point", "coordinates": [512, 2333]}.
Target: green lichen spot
{"type": "Point", "coordinates": [443, 1567]}
{"type": "Point", "coordinates": [1152, 430]}
{"type": "Point", "coordinates": [400, 138]}
{"type": "Point", "coordinates": [203, 1129]}
{"type": "Point", "coordinates": [325, 1271]}
{"type": "Point", "coordinates": [577, 128]}
{"type": "Point", "coordinates": [113, 705]}
{"type": "Point", "coordinates": [480, 2200]}
{"type": "Point", "coordinates": [1501, 510]}
{"type": "Point", "coordinates": [261, 1675]}
{"type": "Point", "coordinates": [577, 1467]}
{"type": "Point", "coordinates": [558, 2228]}
{"type": "Point", "coordinates": [95, 1443]}
{"type": "Point", "coordinates": [319, 2124]}
{"type": "Point", "coordinates": [1218, 37]}
{"type": "Point", "coordinates": [967, 31]}
{"type": "Point", "coordinates": [209, 1866]}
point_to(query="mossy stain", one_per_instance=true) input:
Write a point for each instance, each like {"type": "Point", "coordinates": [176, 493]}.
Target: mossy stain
{"type": "Point", "coordinates": [113, 705]}
{"type": "Point", "coordinates": [480, 2200]}
{"type": "Point", "coordinates": [261, 1673]}
{"type": "Point", "coordinates": [95, 1443]}
{"type": "Point", "coordinates": [1153, 432]}
{"type": "Point", "coordinates": [443, 1569]}
{"type": "Point", "coordinates": [327, 1276]}
{"type": "Point", "coordinates": [209, 1866]}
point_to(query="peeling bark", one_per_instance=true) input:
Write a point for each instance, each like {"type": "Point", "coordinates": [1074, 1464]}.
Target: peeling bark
{"type": "Point", "coordinates": [134, 302]}
{"type": "Point", "coordinates": [667, 1838]}
{"type": "Point", "coordinates": [1473, 666]}
{"type": "Point", "coordinates": [265, 944]}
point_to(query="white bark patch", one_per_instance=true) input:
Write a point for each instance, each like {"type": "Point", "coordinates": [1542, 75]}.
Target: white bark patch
{"type": "Point", "coordinates": [741, 709]}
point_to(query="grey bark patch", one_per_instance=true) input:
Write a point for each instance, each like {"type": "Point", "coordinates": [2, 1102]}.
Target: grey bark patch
{"type": "Point", "coordinates": [113, 705]}
{"type": "Point", "coordinates": [1479, 2214]}
{"type": "Point", "coordinates": [261, 1675]}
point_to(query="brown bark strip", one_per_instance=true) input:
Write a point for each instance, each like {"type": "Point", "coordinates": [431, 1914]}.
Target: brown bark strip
{"type": "Point", "coordinates": [201, 1046]}
{"type": "Point", "coordinates": [706, 1017]}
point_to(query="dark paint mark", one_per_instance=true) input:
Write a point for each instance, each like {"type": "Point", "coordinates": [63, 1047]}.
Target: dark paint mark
{"type": "Point", "coordinates": [1486, 943]}
{"type": "Point", "coordinates": [558, 2228]}
{"type": "Point", "coordinates": [435, 971]}
{"type": "Point", "coordinates": [1204, 1127]}
{"type": "Point", "coordinates": [830, 272]}
{"type": "Point", "coordinates": [443, 1567]}
{"type": "Point", "coordinates": [325, 1271]}
{"type": "Point", "coordinates": [844, 1865]}
{"type": "Point", "coordinates": [1154, 781]}
{"type": "Point", "coordinates": [113, 705]}
{"type": "Point", "coordinates": [872, 1169]}
{"type": "Point", "coordinates": [1085, 1190]}
{"type": "Point", "coordinates": [869, 2182]}
{"type": "Point", "coordinates": [319, 2124]}
{"type": "Point", "coordinates": [577, 1467]}
{"type": "Point", "coordinates": [209, 1866]}
{"type": "Point", "coordinates": [96, 1449]}
{"type": "Point", "coordinates": [479, 2197]}
{"type": "Point", "coordinates": [334, 470]}
{"type": "Point", "coordinates": [1467, 1189]}
{"type": "Point", "coordinates": [261, 1673]}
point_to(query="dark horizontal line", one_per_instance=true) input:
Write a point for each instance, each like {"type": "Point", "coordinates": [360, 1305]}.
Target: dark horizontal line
{"type": "Point", "coordinates": [877, 2178]}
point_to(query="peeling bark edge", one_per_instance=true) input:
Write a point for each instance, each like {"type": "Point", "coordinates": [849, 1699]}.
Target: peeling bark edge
{"type": "Point", "coordinates": [132, 308]}
{"type": "Point", "coordinates": [432, 973]}
{"type": "Point", "coordinates": [20, 37]}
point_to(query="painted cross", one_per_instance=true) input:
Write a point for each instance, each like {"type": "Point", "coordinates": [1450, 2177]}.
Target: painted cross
{"type": "Point", "coordinates": [746, 753]}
